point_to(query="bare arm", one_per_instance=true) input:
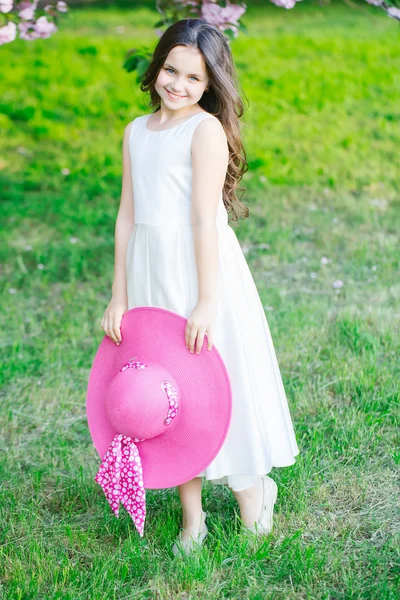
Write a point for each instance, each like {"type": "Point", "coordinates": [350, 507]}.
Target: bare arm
{"type": "Point", "coordinates": [124, 223]}
{"type": "Point", "coordinates": [210, 155]}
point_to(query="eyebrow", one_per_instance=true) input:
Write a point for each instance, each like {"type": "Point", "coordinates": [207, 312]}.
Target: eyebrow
{"type": "Point", "coordinates": [190, 74]}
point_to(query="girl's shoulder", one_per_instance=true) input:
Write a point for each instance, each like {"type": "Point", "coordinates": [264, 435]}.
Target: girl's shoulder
{"type": "Point", "coordinates": [134, 124]}
{"type": "Point", "coordinates": [207, 114]}
{"type": "Point", "coordinates": [210, 124]}
{"type": "Point", "coordinates": [137, 120]}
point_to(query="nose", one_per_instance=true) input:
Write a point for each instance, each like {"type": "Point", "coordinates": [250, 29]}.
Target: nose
{"type": "Point", "coordinates": [177, 87]}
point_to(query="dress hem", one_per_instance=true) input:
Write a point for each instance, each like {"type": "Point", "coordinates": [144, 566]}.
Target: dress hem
{"type": "Point", "coordinates": [280, 466]}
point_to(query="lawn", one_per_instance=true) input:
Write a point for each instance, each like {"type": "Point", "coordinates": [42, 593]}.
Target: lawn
{"type": "Point", "coordinates": [322, 132]}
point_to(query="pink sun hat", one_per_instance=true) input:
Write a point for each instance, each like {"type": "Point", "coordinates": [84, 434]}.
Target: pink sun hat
{"type": "Point", "coordinates": [157, 414]}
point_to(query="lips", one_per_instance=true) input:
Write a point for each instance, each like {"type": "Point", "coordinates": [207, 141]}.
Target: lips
{"type": "Point", "coordinates": [174, 96]}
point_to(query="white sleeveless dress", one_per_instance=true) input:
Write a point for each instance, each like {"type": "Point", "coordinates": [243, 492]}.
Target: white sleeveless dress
{"type": "Point", "coordinates": [161, 272]}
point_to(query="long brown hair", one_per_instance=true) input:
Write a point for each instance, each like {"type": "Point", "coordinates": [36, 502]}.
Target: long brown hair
{"type": "Point", "coordinates": [221, 100]}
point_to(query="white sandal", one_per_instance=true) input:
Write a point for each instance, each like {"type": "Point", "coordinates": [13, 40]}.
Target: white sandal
{"type": "Point", "coordinates": [265, 522]}
{"type": "Point", "coordinates": [189, 545]}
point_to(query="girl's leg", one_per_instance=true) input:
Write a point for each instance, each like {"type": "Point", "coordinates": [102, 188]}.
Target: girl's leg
{"type": "Point", "coordinates": [250, 502]}
{"type": "Point", "coordinates": [192, 509]}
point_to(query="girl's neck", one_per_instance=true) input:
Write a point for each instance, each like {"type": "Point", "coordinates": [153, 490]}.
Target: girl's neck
{"type": "Point", "coordinates": [166, 116]}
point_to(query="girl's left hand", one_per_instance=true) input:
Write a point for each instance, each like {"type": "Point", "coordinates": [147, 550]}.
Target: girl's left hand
{"type": "Point", "coordinates": [201, 321]}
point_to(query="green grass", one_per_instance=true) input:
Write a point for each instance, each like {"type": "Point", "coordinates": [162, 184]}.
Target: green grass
{"type": "Point", "coordinates": [322, 136]}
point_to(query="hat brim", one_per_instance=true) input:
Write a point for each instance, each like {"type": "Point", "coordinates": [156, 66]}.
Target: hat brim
{"type": "Point", "coordinates": [205, 404]}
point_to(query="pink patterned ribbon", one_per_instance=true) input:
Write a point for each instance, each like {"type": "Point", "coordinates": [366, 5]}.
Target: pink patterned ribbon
{"type": "Point", "coordinates": [120, 474]}
{"type": "Point", "coordinates": [121, 477]}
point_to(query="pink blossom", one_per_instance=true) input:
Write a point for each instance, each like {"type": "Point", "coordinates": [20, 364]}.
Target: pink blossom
{"type": "Point", "coordinates": [337, 284]}
{"type": "Point", "coordinates": [374, 2]}
{"type": "Point", "coordinates": [221, 16]}
{"type": "Point", "coordinates": [394, 12]}
{"type": "Point", "coordinates": [5, 6]}
{"type": "Point", "coordinates": [284, 3]}
{"type": "Point", "coordinates": [27, 4]}
{"type": "Point", "coordinates": [27, 13]}
{"type": "Point", "coordinates": [44, 27]}
{"type": "Point", "coordinates": [8, 33]}
{"type": "Point", "coordinates": [27, 31]}
{"type": "Point", "coordinates": [61, 6]}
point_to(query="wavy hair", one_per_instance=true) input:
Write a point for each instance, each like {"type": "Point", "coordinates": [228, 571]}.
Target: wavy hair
{"type": "Point", "coordinates": [221, 100]}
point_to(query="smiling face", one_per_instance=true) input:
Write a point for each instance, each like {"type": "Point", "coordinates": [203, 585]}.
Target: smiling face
{"type": "Point", "coordinates": [182, 79]}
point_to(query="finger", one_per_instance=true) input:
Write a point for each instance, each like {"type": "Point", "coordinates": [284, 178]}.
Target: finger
{"type": "Point", "coordinates": [200, 340]}
{"type": "Point", "coordinates": [117, 335]}
{"type": "Point", "coordinates": [192, 339]}
{"type": "Point", "coordinates": [111, 329]}
{"type": "Point", "coordinates": [113, 335]}
{"type": "Point", "coordinates": [210, 340]}
{"type": "Point", "coordinates": [186, 337]}
{"type": "Point", "coordinates": [187, 334]}
{"type": "Point", "coordinates": [105, 326]}
{"type": "Point", "coordinates": [114, 329]}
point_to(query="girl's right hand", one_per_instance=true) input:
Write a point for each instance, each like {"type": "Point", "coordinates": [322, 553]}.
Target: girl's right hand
{"type": "Point", "coordinates": [111, 321]}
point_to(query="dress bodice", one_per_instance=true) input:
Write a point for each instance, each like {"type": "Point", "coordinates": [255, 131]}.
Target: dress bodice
{"type": "Point", "coordinates": [161, 166]}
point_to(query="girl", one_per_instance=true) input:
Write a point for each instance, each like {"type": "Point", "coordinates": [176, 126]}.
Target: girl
{"type": "Point", "coordinates": [174, 249]}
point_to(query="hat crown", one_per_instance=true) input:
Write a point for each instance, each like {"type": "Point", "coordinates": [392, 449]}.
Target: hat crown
{"type": "Point", "coordinates": [141, 400]}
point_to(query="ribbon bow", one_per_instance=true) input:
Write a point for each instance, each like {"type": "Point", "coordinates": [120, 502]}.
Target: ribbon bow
{"type": "Point", "coordinates": [120, 473]}
{"type": "Point", "coordinates": [121, 477]}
